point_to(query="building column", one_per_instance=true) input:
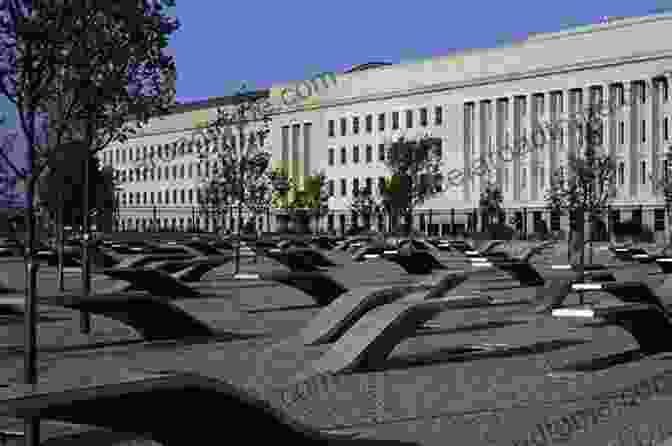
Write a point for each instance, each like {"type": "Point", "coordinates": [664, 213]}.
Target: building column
{"type": "Point", "coordinates": [477, 151]}
{"type": "Point", "coordinates": [609, 136]}
{"type": "Point", "coordinates": [552, 133]}
{"type": "Point", "coordinates": [497, 134]}
{"type": "Point", "coordinates": [296, 153]}
{"type": "Point", "coordinates": [307, 135]}
{"type": "Point", "coordinates": [572, 120]}
{"type": "Point", "coordinates": [535, 150]}
{"type": "Point", "coordinates": [506, 147]}
{"type": "Point", "coordinates": [515, 147]}
{"type": "Point", "coordinates": [467, 147]}
{"type": "Point", "coordinates": [654, 85]}
{"type": "Point", "coordinates": [631, 108]}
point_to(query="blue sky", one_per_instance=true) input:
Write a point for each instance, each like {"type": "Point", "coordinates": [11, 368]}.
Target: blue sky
{"type": "Point", "coordinates": [222, 44]}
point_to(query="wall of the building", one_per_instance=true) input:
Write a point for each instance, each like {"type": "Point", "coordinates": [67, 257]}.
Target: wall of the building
{"type": "Point", "coordinates": [560, 69]}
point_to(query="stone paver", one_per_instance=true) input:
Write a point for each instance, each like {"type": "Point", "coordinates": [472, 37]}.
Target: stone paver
{"type": "Point", "coordinates": [428, 390]}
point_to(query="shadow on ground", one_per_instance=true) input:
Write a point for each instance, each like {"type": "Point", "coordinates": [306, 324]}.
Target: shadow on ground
{"type": "Point", "coordinates": [472, 353]}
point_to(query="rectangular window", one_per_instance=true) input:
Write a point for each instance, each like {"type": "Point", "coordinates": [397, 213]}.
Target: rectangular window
{"type": "Point", "coordinates": [438, 149]}
{"type": "Point", "coordinates": [355, 125]}
{"type": "Point", "coordinates": [620, 91]}
{"type": "Point", "coordinates": [381, 184]}
{"type": "Point", "coordinates": [523, 178]}
{"type": "Point", "coordinates": [369, 184]}
{"type": "Point", "coordinates": [381, 152]}
{"type": "Point", "coordinates": [409, 119]}
{"type": "Point", "coordinates": [523, 106]}
{"type": "Point", "coordinates": [355, 154]}
{"type": "Point", "coordinates": [332, 128]}
{"type": "Point", "coordinates": [343, 155]}
{"type": "Point", "coordinates": [665, 90]}
{"type": "Point", "coordinates": [369, 153]}
{"type": "Point", "coordinates": [343, 126]}
{"type": "Point", "coordinates": [369, 123]}
{"type": "Point", "coordinates": [381, 121]}
{"type": "Point", "coordinates": [642, 166]}
{"type": "Point", "coordinates": [395, 120]}
{"type": "Point", "coordinates": [643, 130]}
{"type": "Point", "coordinates": [331, 157]}
{"type": "Point", "coordinates": [331, 188]}
{"type": "Point", "coordinates": [438, 115]}
{"type": "Point", "coordinates": [621, 133]}
{"type": "Point", "coordinates": [666, 128]}
{"type": "Point", "coordinates": [423, 117]}
{"type": "Point", "coordinates": [344, 187]}
{"type": "Point", "coordinates": [355, 186]}
{"type": "Point", "coordinates": [666, 170]}
{"type": "Point", "coordinates": [542, 177]}
{"type": "Point", "coordinates": [642, 92]}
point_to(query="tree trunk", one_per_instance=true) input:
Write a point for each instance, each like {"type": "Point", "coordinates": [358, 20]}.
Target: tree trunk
{"type": "Point", "coordinates": [31, 425]}
{"type": "Point", "coordinates": [580, 244]}
{"type": "Point", "coordinates": [85, 317]}
{"type": "Point", "coordinates": [669, 225]}
{"type": "Point", "coordinates": [240, 217]}
{"type": "Point", "coordinates": [408, 223]}
{"type": "Point", "coordinates": [60, 242]}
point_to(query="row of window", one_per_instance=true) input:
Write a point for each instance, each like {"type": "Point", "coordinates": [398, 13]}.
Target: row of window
{"type": "Point", "coordinates": [175, 149]}
{"type": "Point", "coordinates": [174, 196]}
{"type": "Point", "coordinates": [174, 172]}
{"type": "Point", "coordinates": [357, 187]}
{"type": "Point", "coordinates": [559, 136]}
{"type": "Point", "coordinates": [616, 98]}
{"type": "Point", "coordinates": [423, 121]}
{"type": "Point", "coordinates": [368, 153]}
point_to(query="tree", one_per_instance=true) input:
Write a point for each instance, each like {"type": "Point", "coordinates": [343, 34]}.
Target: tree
{"type": "Point", "coordinates": [91, 67]}
{"type": "Point", "coordinates": [664, 188]}
{"type": "Point", "coordinates": [303, 201]}
{"type": "Point", "coordinates": [490, 202]}
{"type": "Point", "coordinates": [241, 158]}
{"type": "Point", "coordinates": [62, 188]}
{"type": "Point", "coordinates": [365, 204]}
{"type": "Point", "coordinates": [589, 184]}
{"type": "Point", "coordinates": [415, 167]}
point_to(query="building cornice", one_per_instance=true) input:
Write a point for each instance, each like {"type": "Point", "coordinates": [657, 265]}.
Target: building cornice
{"type": "Point", "coordinates": [476, 82]}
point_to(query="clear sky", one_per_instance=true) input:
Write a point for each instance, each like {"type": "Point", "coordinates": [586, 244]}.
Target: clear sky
{"type": "Point", "coordinates": [224, 43]}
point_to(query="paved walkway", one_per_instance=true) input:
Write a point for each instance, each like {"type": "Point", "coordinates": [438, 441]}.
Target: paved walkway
{"type": "Point", "coordinates": [429, 390]}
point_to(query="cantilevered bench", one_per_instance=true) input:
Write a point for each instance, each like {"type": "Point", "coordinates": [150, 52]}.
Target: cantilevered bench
{"type": "Point", "coordinates": [415, 262]}
{"type": "Point", "coordinates": [642, 312]}
{"type": "Point", "coordinates": [293, 260]}
{"type": "Point", "coordinates": [468, 251]}
{"type": "Point", "coordinates": [153, 281]}
{"type": "Point", "coordinates": [423, 262]}
{"type": "Point", "coordinates": [153, 317]}
{"type": "Point", "coordinates": [373, 337]}
{"type": "Point", "coordinates": [337, 317]}
{"type": "Point", "coordinates": [171, 408]}
{"type": "Point", "coordinates": [192, 270]}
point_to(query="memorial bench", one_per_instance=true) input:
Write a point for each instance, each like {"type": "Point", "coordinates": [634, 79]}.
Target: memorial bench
{"type": "Point", "coordinates": [171, 408]}
{"type": "Point", "coordinates": [373, 337]}
{"type": "Point", "coordinates": [641, 312]}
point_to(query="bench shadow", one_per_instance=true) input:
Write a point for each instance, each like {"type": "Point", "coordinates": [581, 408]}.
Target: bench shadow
{"type": "Point", "coordinates": [285, 308]}
{"type": "Point", "coordinates": [422, 331]}
{"type": "Point", "coordinates": [604, 362]}
{"type": "Point", "coordinates": [471, 353]}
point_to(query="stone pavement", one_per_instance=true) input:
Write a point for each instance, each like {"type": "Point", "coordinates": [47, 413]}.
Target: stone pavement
{"type": "Point", "coordinates": [429, 390]}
